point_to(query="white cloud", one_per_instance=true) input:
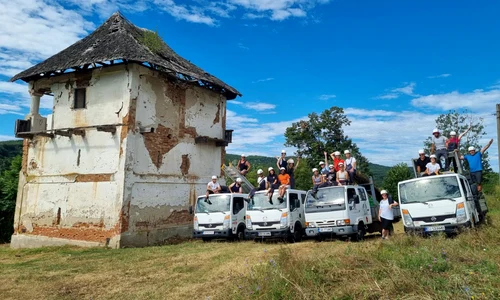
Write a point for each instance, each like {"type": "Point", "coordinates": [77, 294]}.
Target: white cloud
{"type": "Point", "coordinates": [439, 76]}
{"type": "Point", "coordinates": [388, 96]}
{"type": "Point", "coordinates": [241, 46]}
{"type": "Point", "coordinates": [495, 86]}
{"type": "Point", "coordinates": [325, 97]}
{"type": "Point", "coordinates": [476, 100]}
{"type": "Point", "coordinates": [394, 93]}
{"type": "Point", "coordinates": [263, 80]}
{"type": "Point", "coordinates": [257, 106]}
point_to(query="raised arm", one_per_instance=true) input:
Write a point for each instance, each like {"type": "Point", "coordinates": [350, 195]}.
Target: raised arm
{"type": "Point", "coordinates": [486, 147]}
{"type": "Point", "coordinates": [332, 155]}
{"type": "Point", "coordinates": [326, 158]}
{"type": "Point", "coordinates": [463, 133]}
{"type": "Point", "coordinates": [297, 164]}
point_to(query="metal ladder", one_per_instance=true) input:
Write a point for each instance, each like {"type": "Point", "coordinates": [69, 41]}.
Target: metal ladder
{"type": "Point", "coordinates": [231, 172]}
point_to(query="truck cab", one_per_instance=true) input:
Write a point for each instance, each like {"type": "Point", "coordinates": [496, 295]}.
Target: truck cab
{"type": "Point", "coordinates": [221, 216]}
{"type": "Point", "coordinates": [339, 211]}
{"type": "Point", "coordinates": [279, 219]}
{"type": "Point", "coordinates": [445, 203]}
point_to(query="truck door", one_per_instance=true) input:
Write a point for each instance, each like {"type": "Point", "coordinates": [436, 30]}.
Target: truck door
{"type": "Point", "coordinates": [295, 212]}
{"type": "Point", "coordinates": [354, 204]}
{"type": "Point", "coordinates": [470, 203]}
{"type": "Point", "coordinates": [365, 206]}
{"type": "Point", "coordinates": [237, 213]}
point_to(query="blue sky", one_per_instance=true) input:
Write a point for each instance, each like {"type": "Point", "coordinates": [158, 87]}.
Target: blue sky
{"type": "Point", "coordinates": [392, 65]}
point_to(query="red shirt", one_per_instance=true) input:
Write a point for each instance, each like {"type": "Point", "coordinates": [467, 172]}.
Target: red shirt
{"type": "Point", "coordinates": [336, 162]}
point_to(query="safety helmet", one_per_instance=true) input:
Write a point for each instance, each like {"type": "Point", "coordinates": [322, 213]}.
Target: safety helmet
{"type": "Point", "coordinates": [471, 148]}
{"type": "Point", "coordinates": [341, 163]}
{"type": "Point", "coordinates": [243, 155]}
{"type": "Point", "coordinates": [282, 169]}
{"type": "Point", "coordinates": [383, 192]}
{"type": "Point", "coordinates": [270, 168]}
{"type": "Point", "coordinates": [314, 170]}
{"type": "Point", "coordinates": [238, 180]}
{"type": "Point", "coordinates": [330, 166]}
{"type": "Point", "coordinates": [435, 131]}
{"type": "Point", "coordinates": [453, 133]}
{"type": "Point", "coordinates": [336, 153]}
{"type": "Point", "coordinates": [347, 152]}
{"type": "Point", "coordinates": [321, 163]}
{"type": "Point", "coordinates": [259, 171]}
{"type": "Point", "coordinates": [290, 161]}
{"type": "Point", "coordinates": [283, 151]}
{"type": "Point", "coordinates": [214, 177]}
{"type": "Point", "coordinates": [421, 151]}
{"type": "Point", "coordinates": [432, 156]}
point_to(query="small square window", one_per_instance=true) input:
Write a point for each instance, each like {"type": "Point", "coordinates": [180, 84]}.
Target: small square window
{"type": "Point", "coordinates": [80, 99]}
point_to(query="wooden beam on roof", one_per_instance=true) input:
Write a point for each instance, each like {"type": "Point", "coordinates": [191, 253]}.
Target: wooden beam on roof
{"type": "Point", "coordinates": [107, 128]}
{"type": "Point", "coordinates": [63, 132]}
{"type": "Point", "coordinates": [79, 132]}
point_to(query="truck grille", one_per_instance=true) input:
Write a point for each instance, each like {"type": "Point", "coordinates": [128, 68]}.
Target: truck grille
{"type": "Point", "coordinates": [212, 225]}
{"type": "Point", "coordinates": [326, 223]}
{"type": "Point", "coordinates": [435, 218]}
{"type": "Point", "coordinates": [263, 224]}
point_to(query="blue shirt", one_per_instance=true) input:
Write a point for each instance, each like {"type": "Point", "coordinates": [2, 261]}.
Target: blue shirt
{"type": "Point", "coordinates": [474, 161]}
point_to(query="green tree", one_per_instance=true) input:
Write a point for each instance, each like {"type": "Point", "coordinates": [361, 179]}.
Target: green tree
{"type": "Point", "coordinates": [8, 192]}
{"type": "Point", "coordinates": [323, 132]}
{"type": "Point", "coordinates": [460, 122]}
{"type": "Point", "coordinates": [396, 174]}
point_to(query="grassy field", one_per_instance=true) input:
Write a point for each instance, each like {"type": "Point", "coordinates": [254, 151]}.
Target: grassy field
{"type": "Point", "coordinates": [465, 267]}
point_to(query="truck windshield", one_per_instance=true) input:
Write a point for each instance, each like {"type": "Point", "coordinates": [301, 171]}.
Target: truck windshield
{"type": "Point", "coordinates": [429, 189]}
{"type": "Point", "coordinates": [326, 199]}
{"type": "Point", "coordinates": [216, 203]}
{"type": "Point", "coordinates": [261, 202]}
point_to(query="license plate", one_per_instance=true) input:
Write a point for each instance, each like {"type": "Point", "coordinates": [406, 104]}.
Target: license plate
{"type": "Point", "coordinates": [267, 233]}
{"type": "Point", "coordinates": [326, 229]}
{"type": "Point", "coordinates": [208, 232]}
{"type": "Point", "coordinates": [434, 228]}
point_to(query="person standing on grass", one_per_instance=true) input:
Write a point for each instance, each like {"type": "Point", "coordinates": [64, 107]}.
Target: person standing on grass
{"type": "Point", "coordinates": [385, 214]}
{"type": "Point", "coordinates": [476, 165]}
{"type": "Point", "coordinates": [284, 180]}
{"type": "Point", "coordinates": [213, 187]}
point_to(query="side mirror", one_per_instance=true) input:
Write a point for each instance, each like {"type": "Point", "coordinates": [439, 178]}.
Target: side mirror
{"type": "Point", "coordinates": [190, 209]}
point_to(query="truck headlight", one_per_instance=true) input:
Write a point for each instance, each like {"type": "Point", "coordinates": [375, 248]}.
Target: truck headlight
{"type": "Point", "coordinates": [195, 224]}
{"type": "Point", "coordinates": [227, 222]}
{"type": "Point", "coordinates": [310, 224]}
{"type": "Point", "coordinates": [249, 222]}
{"type": "Point", "coordinates": [343, 222]}
{"type": "Point", "coordinates": [284, 220]}
{"type": "Point", "coordinates": [461, 215]}
{"type": "Point", "coordinates": [407, 220]}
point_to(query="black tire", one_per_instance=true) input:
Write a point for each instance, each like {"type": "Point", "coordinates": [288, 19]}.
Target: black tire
{"type": "Point", "coordinates": [360, 234]}
{"type": "Point", "coordinates": [296, 236]}
{"type": "Point", "coordinates": [240, 234]}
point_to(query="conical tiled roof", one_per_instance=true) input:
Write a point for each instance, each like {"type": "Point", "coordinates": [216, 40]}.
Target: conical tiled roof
{"type": "Point", "coordinates": [119, 39]}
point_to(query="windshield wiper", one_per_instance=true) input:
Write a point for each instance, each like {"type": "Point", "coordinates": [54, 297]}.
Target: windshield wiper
{"type": "Point", "coordinates": [222, 212]}
{"type": "Point", "coordinates": [443, 198]}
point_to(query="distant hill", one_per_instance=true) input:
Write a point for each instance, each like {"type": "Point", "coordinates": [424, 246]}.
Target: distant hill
{"type": "Point", "coordinates": [378, 171]}
{"type": "Point", "coordinates": [8, 150]}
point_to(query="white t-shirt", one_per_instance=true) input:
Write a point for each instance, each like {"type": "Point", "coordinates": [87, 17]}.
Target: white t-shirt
{"type": "Point", "coordinates": [350, 161]}
{"type": "Point", "coordinates": [432, 167]}
{"type": "Point", "coordinates": [386, 210]}
{"type": "Point", "coordinates": [213, 186]}
{"type": "Point", "coordinates": [259, 179]}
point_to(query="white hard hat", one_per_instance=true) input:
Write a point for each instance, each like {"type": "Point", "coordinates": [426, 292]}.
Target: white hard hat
{"type": "Point", "coordinates": [330, 166]}
{"type": "Point", "coordinates": [421, 151]}
{"type": "Point", "coordinates": [259, 171]}
{"type": "Point", "coordinates": [347, 152]}
{"type": "Point", "coordinates": [337, 153]}
{"type": "Point", "coordinates": [321, 163]}
{"type": "Point", "coordinates": [243, 155]}
{"type": "Point", "coordinates": [435, 130]}
{"type": "Point", "coordinates": [341, 163]}
{"type": "Point", "coordinates": [453, 133]}
{"type": "Point", "coordinates": [238, 179]}
{"type": "Point", "coordinates": [270, 168]}
{"type": "Point", "coordinates": [383, 192]}
{"type": "Point", "coordinates": [283, 151]}
{"type": "Point", "coordinates": [471, 148]}
{"type": "Point", "coordinates": [314, 170]}
{"type": "Point", "coordinates": [282, 168]}
{"type": "Point", "coordinates": [432, 156]}
{"type": "Point", "coordinates": [290, 161]}
{"type": "Point", "coordinates": [214, 177]}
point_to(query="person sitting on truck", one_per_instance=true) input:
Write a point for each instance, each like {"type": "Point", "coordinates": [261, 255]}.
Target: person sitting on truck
{"type": "Point", "coordinates": [438, 146]}
{"type": "Point", "coordinates": [342, 175]}
{"type": "Point", "coordinates": [422, 162]}
{"type": "Point", "coordinates": [273, 183]}
{"type": "Point", "coordinates": [475, 164]}
{"type": "Point", "coordinates": [243, 165]}
{"type": "Point", "coordinates": [332, 175]}
{"type": "Point", "coordinates": [350, 165]}
{"type": "Point", "coordinates": [281, 160]}
{"type": "Point", "coordinates": [213, 187]}
{"type": "Point", "coordinates": [385, 214]}
{"type": "Point", "coordinates": [290, 170]}
{"type": "Point", "coordinates": [336, 160]}
{"type": "Point", "coordinates": [284, 180]}
{"type": "Point", "coordinates": [452, 145]}
{"type": "Point", "coordinates": [432, 168]}
{"type": "Point", "coordinates": [323, 169]}
{"type": "Point", "coordinates": [317, 179]}
{"type": "Point", "coordinates": [261, 184]}
{"type": "Point", "coordinates": [235, 187]}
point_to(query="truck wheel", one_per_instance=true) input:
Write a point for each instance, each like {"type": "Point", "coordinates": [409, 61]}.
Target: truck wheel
{"type": "Point", "coordinates": [360, 234]}
{"type": "Point", "coordinates": [296, 236]}
{"type": "Point", "coordinates": [240, 235]}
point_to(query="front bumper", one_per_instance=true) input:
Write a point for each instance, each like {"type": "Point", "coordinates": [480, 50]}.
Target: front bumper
{"type": "Point", "coordinates": [269, 233]}
{"type": "Point", "coordinates": [448, 229]}
{"type": "Point", "coordinates": [212, 234]}
{"type": "Point", "coordinates": [331, 231]}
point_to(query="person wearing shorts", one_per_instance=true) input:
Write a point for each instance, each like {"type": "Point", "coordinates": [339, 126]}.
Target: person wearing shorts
{"type": "Point", "coordinates": [475, 164]}
{"type": "Point", "coordinates": [385, 214]}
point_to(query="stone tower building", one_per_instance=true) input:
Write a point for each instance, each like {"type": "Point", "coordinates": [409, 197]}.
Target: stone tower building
{"type": "Point", "coordinates": [135, 134]}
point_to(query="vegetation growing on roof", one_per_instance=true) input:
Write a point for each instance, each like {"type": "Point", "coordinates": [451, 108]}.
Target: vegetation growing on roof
{"type": "Point", "coordinates": [152, 41]}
